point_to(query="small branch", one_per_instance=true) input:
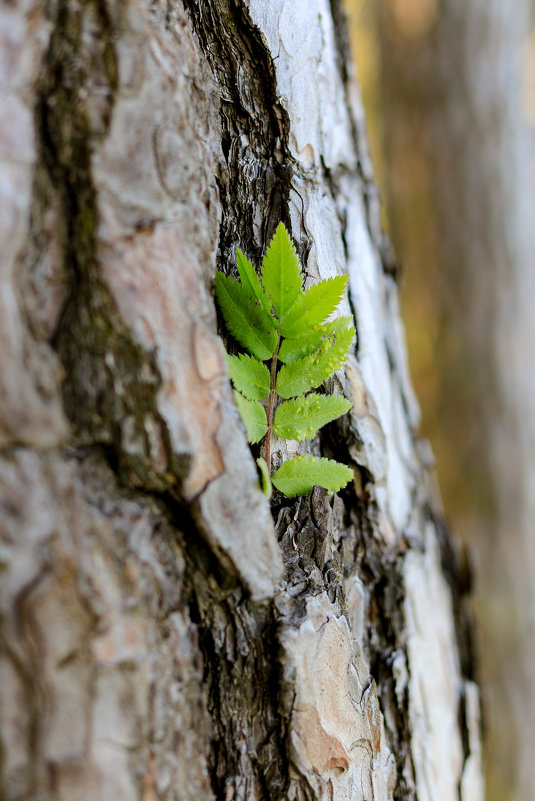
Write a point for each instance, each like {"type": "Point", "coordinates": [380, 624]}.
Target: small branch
{"type": "Point", "coordinates": [271, 402]}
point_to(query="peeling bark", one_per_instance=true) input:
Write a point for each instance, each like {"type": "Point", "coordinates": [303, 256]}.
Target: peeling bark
{"type": "Point", "coordinates": [167, 634]}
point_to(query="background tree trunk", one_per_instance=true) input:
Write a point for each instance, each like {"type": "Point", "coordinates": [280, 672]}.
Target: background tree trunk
{"type": "Point", "coordinates": [457, 119]}
{"type": "Point", "coordinates": [490, 173]}
{"type": "Point", "coordinates": [162, 637]}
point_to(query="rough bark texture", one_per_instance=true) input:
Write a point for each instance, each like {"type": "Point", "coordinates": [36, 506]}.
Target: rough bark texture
{"type": "Point", "coordinates": [167, 635]}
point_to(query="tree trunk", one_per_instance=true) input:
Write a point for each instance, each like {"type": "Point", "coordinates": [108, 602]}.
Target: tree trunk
{"type": "Point", "coordinates": [489, 170]}
{"type": "Point", "coordinates": [458, 113]}
{"type": "Point", "coordinates": [167, 635]}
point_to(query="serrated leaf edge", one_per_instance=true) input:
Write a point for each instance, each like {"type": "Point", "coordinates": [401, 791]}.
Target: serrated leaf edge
{"type": "Point", "coordinates": [302, 368]}
{"type": "Point", "coordinates": [337, 485]}
{"type": "Point", "coordinates": [239, 385]}
{"type": "Point", "coordinates": [318, 335]}
{"type": "Point", "coordinates": [262, 351]}
{"type": "Point", "coordinates": [302, 312]}
{"type": "Point", "coordinates": [242, 402]}
{"type": "Point", "coordinates": [272, 270]}
{"type": "Point", "coordinates": [308, 432]}
{"type": "Point", "coordinates": [251, 281]}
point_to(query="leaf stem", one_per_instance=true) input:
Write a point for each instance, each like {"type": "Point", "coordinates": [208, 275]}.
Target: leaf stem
{"type": "Point", "coordinates": [271, 402]}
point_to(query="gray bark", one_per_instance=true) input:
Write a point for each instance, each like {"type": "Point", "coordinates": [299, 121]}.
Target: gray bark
{"type": "Point", "coordinates": [167, 635]}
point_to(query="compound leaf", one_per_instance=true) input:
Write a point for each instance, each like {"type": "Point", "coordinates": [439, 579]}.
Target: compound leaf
{"type": "Point", "coordinates": [300, 418]}
{"type": "Point", "coordinates": [296, 348]}
{"type": "Point", "coordinates": [251, 325]}
{"type": "Point", "coordinates": [253, 415]}
{"type": "Point", "coordinates": [249, 376]}
{"type": "Point", "coordinates": [251, 281]}
{"type": "Point", "coordinates": [299, 475]}
{"type": "Point", "coordinates": [259, 314]}
{"type": "Point", "coordinates": [313, 306]}
{"type": "Point", "coordinates": [281, 271]}
{"type": "Point", "coordinates": [299, 376]}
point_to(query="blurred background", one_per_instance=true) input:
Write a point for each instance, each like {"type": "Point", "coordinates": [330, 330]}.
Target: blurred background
{"type": "Point", "coordinates": [449, 92]}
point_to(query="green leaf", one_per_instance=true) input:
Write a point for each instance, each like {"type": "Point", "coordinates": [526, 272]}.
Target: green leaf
{"type": "Point", "coordinates": [299, 376]}
{"type": "Point", "coordinates": [251, 281]}
{"type": "Point", "coordinates": [313, 306]}
{"type": "Point", "coordinates": [253, 415]}
{"type": "Point", "coordinates": [249, 376]}
{"type": "Point", "coordinates": [300, 418]}
{"type": "Point", "coordinates": [281, 271]}
{"type": "Point", "coordinates": [292, 349]}
{"type": "Point", "coordinates": [299, 475]}
{"type": "Point", "coordinates": [249, 324]}
{"type": "Point", "coordinates": [265, 479]}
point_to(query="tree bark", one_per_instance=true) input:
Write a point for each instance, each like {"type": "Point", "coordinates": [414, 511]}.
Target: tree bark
{"type": "Point", "coordinates": [166, 634]}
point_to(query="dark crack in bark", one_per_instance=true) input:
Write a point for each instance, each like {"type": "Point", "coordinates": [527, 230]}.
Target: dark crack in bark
{"type": "Point", "coordinates": [109, 379]}
{"type": "Point", "coordinates": [255, 186]}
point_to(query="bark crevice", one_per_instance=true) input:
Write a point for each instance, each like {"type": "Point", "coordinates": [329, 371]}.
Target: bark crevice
{"type": "Point", "coordinates": [256, 182]}
{"type": "Point", "coordinates": [110, 383]}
